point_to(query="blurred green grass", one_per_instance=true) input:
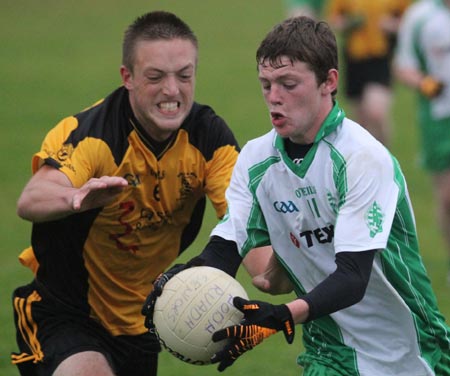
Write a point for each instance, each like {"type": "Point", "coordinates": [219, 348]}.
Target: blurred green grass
{"type": "Point", "coordinates": [60, 56]}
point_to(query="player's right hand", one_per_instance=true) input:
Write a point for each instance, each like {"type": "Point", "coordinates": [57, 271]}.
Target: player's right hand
{"type": "Point", "coordinates": [261, 320]}
{"type": "Point", "coordinates": [430, 87]}
{"type": "Point", "coordinates": [158, 286]}
{"type": "Point", "coordinates": [98, 192]}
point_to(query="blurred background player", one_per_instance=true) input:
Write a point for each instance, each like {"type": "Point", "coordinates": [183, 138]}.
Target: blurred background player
{"type": "Point", "coordinates": [310, 8]}
{"type": "Point", "coordinates": [422, 62]}
{"type": "Point", "coordinates": [368, 34]}
{"type": "Point", "coordinates": [118, 192]}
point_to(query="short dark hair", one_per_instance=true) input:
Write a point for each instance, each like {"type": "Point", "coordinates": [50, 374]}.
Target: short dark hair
{"type": "Point", "coordinates": [301, 39]}
{"type": "Point", "coordinates": [154, 26]}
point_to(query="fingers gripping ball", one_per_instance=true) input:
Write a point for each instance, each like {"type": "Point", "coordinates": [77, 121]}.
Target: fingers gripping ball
{"type": "Point", "coordinates": [193, 305]}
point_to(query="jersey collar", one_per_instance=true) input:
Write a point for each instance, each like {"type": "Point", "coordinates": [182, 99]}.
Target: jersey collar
{"type": "Point", "coordinates": [334, 118]}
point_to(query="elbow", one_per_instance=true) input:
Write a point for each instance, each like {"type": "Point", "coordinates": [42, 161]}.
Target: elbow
{"type": "Point", "coordinates": [358, 287]}
{"type": "Point", "coordinates": [359, 293]}
{"type": "Point", "coordinates": [22, 209]}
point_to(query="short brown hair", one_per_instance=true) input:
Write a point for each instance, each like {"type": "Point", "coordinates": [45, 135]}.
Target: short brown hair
{"type": "Point", "coordinates": [154, 26]}
{"type": "Point", "coordinates": [301, 39]}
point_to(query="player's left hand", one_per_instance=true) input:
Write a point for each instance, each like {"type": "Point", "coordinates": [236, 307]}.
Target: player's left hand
{"type": "Point", "coordinates": [431, 87]}
{"type": "Point", "coordinates": [261, 320]}
{"type": "Point", "coordinates": [158, 285]}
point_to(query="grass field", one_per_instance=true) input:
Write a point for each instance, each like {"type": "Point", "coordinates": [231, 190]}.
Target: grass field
{"type": "Point", "coordinates": [60, 56]}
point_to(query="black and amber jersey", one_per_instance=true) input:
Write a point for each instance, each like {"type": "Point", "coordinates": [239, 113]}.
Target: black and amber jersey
{"type": "Point", "coordinates": [103, 261]}
{"type": "Point", "coordinates": [367, 40]}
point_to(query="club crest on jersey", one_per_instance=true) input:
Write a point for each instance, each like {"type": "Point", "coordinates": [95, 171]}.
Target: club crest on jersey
{"type": "Point", "coordinates": [374, 219]}
{"type": "Point", "coordinates": [332, 202]}
{"type": "Point", "coordinates": [65, 152]}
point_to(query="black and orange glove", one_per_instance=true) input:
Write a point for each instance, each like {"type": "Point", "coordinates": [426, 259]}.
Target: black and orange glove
{"type": "Point", "coordinates": [158, 285]}
{"type": "Point", "coordinates": [260, 321]}
{"type": "Point", "coordinates": [430, 87]}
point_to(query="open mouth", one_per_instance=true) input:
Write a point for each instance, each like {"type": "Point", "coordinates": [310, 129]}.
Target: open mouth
{"type": "Point", "coordinates": [276, 115]}
{"type": "Point", "coordinates": [169, 106]}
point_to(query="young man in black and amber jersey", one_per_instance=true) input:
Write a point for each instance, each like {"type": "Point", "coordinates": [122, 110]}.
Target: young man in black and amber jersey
{"type": "Point", "coordinates": [118, 192]}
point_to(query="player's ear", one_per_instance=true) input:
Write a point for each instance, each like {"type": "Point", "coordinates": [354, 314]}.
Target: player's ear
{"type": "Point", "coordinates": [331, 83]}
{"type": "Point", "coordinates": [127, 77]}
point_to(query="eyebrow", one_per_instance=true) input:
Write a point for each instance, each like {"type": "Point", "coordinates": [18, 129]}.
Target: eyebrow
{"type": "Point", "coordinates": [285, 76]}
{"type": "Point", "coordinates": [186, 67]}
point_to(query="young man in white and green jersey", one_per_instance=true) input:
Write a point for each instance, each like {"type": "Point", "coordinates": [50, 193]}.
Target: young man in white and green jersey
{"type": "Point", "coordinates": [422, 62]}
{"type": "Point", "coordinates": [333, 204]}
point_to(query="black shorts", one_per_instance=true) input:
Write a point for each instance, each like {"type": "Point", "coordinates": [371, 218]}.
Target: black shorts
{"type": "Point", "coordinates": [362, 72]}
{"type": "Point", "coordinates": [48, 333]}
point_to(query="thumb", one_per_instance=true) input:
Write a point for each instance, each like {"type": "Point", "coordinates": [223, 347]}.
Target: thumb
{"type": "Point", "coordinates": [240, 303]}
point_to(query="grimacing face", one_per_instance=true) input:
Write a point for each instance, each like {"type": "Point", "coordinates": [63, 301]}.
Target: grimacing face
{"type": "Point", "coordinates": [162, 84]}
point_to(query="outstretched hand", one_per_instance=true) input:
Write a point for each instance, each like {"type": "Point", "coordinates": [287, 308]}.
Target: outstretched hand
{"type": "Point", "coordinates": [98, 192]}
{"type": "Point", "coordinates": [261, 320]}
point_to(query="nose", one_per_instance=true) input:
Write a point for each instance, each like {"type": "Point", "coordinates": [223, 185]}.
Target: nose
{"type": "Point", "coordinates": [273, 95]}
{"type": "Point", "coordinates": [170, 86]}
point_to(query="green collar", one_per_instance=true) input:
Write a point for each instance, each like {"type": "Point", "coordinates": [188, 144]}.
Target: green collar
{"type": "Point", "coordinates": [331, 122]}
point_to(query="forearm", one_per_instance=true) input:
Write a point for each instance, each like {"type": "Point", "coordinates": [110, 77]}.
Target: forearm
{"type": "Point", "coordinates": [343, 288]}
{"type": "Point", "coordinates": [49, 195]}
{"type": "Point", "coordinates": [222, 254]}
{"type": "Point", "coordinates": [45, 202]}
{"type": "Point", "coordinates": [410, 77]}
{"type": "Point", "coordinates": [267, 273]}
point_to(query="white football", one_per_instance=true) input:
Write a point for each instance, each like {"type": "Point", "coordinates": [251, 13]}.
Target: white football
{"type": "Point", "coordinates": [194, 304]}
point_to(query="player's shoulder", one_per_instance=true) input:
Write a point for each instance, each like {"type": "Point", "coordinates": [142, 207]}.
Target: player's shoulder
{"type": "Point", "coordinates": [260, 148]}
{"type": "Point", "coordinates": [203, 118]}
{"type": "Point", "coordinates": [107, 119]}
{"type": "Point", "coordinates": [419, 11]}
{"type": "Point", "coordinates": [352, 141]}
{"type": "Point", "coordinates": [207, 131]}
{"type": "Point", "coordinates": [103, 123]}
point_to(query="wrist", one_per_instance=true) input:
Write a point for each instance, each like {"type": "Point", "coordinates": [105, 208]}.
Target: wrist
{"type": "Point", "coordinates": [299, 310]}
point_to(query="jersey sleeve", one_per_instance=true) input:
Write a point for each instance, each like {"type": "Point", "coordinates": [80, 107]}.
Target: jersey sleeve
{"type": "Point", "coordinates": [220, 166]}
{"type": "Point", "coordinates": [368, 206]}
{"type": "Point", "coordinates": [407, 45]}
{"type": "Point", "coordinates": [78, 159]}
{"type": "Point", "coordinates": [244, 222]}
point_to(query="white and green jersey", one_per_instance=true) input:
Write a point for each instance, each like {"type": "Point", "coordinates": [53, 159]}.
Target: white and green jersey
{"type": "Point", "coordinates": [424, 45]}
{"type": "Point", "coordinates": [348, 195]}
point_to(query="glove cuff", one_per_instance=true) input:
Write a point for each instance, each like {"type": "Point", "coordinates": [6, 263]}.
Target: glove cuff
{"type": "Point", "coordinates": [283, 314]}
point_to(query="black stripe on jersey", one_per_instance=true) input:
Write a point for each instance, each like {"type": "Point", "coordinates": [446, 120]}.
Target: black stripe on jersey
{"type": "Point", "coordinates": [51, 251]}
{"type": "Point", "coordinates": [107, 121]}
{"type": "Point", "coordinates": [207, 131]}
{"type": "Point", "coordinates": [192, 229]}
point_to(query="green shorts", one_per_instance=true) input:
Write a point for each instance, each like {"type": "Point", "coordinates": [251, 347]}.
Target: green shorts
{"type": "Point", "coordinates": [316, 368]}
{"type": "Point", "coordinates": [435, 142]}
